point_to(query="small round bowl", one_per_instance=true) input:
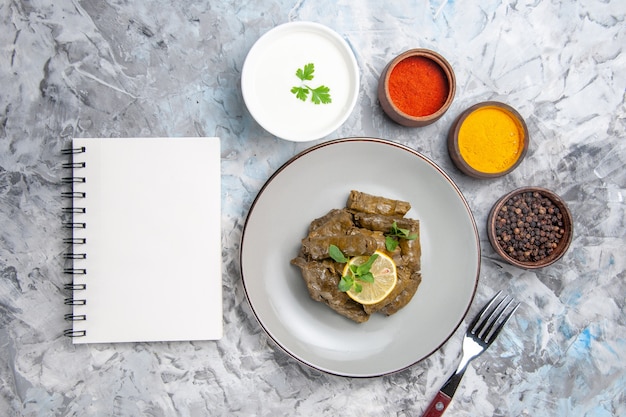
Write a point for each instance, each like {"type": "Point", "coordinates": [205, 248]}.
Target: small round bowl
{"type": "Point", "coordinates": [479, 130]}
{"type": "Point", "coordinates": [283, 69]}
{"type": "Point", "coordinates": [422, 104]}
{"type": "Point", "coordinates": [530, 227]}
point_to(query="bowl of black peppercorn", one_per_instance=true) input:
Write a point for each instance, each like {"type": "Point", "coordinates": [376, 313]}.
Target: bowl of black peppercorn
{"type": "Point", "coordinates": [530, 227]}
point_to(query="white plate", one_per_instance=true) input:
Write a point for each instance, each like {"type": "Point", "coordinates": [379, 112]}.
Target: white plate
{"type": "Point", "coordinates": [307, 187]}
{"type": "Point", "coordinates": [269, 73]}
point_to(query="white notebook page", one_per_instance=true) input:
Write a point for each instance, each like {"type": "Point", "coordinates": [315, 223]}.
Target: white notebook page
{"type": "Point", "coordinates": [153, 264]}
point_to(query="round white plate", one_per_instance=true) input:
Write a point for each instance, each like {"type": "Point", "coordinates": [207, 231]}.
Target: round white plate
{"type": "Point", "coordinates": [269, 74]}
{"type": "Point", "coordinates": [307, 187]}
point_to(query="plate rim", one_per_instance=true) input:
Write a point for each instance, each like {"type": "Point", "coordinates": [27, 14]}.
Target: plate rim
{"type": "Point", "coordinates": [354, 70]}
{"type": "Point", "coordinates": [364, 139]}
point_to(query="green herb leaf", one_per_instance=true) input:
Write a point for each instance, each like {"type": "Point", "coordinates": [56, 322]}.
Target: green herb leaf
{"type": "Point", "coordinates": [396, 233]}
{"type": "Point", "coordinates": [364, 268]}
{"type": "Point", "coordinates": [391, 243]}
{"type": "Point", "coordinates": [320, 95]}
{"type": "Point", "coordinates": [356, 273]}
{"type": "Point", "coordinates": [367, 277]}
{"type": "Point", "coordinates": [403, 233]}
{"type": "Point", "coordinates": [345, 283]}
{"type": "Point", "coordinates": [306, 73]}
{"type": "Point", "coordinates": [336, 254]}
{"type": "Point", "coordinates": [301, 93]}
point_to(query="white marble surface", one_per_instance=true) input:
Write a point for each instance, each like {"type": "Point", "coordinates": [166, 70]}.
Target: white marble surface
{"type": "Point", "coordinates": [73, 68]}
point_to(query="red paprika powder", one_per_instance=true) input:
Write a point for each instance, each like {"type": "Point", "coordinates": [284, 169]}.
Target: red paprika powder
{"type": "Point", "coordinates": [418, 86]}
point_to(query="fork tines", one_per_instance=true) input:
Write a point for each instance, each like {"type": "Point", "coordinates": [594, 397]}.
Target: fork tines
{"type": "Point", "coordinates": [492, 318]}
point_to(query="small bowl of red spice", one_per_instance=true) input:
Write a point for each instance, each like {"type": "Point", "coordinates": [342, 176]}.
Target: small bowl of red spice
{"type": "Point", "coordinates": [417, 87]}
{"type": "Point", "coordinates": [530, 227]}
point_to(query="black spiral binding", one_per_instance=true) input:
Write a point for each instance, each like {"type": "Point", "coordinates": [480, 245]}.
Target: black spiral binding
{"type": "Point", "coordinates": [71, 256]}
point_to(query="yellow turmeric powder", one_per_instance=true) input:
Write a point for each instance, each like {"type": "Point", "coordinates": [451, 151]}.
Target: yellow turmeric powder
{"type": "Point", "coordinates": [491, 139]}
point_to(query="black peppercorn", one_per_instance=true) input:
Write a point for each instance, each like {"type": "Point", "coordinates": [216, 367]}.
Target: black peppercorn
{"type": "Point", "coordinates": [529, 227]}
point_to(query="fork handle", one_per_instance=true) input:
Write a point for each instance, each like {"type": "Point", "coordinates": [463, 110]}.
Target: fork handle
{"type": "Point", "coordinates": [441, 401]}
{"type": "Point", "coordinates": [438, 405]}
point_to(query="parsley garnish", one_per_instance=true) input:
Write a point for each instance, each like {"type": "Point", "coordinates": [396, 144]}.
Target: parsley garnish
{"type": "Point", "coordinates": [319, 95]}
{"type": "Point", "coordinates": [396, 233]}
{"type": "Point", "coordinates": [356, 273]}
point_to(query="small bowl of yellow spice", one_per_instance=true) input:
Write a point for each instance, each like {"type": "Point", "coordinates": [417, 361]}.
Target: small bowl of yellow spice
{"type": "Point", "coordinates": [488, 140]}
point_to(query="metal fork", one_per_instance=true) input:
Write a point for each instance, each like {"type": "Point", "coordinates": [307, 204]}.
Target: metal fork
{"type": "Point", "coordinates": [480, 334]}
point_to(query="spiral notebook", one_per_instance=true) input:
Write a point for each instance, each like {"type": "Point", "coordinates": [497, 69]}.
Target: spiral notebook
{"type": "Point", "coordinates": [145, 246]}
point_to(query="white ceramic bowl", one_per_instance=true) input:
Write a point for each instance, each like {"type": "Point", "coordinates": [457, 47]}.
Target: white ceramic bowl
{"type": "Point", "coordinates": [269, 74]}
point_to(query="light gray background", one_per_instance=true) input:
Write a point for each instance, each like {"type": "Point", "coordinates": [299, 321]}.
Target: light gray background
{"type": "Point", "coordinates": [73, 68]}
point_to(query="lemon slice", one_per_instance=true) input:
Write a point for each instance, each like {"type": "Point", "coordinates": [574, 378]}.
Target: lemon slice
{"type": "Point", "coordinates": [385, 278]}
